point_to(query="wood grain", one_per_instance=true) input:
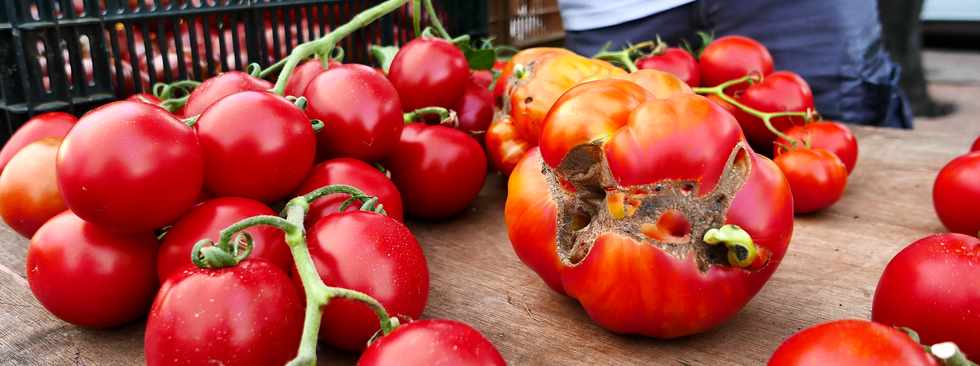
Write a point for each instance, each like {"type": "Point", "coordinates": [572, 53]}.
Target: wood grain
{"type": "Point", "coordinates": [830, 272]}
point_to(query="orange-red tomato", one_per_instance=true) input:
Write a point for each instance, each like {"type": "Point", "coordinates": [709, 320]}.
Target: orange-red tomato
{"type": "Point", "coordinates": [829, 135]}
{"type": "Point", "coordinates": [29, 193]}
{"type": "Point", "coordinates": [850, 343]}
{"type": "Point", "coordinates": [816, 176]}
{"type": "Point", "coordinates": [956, 194]}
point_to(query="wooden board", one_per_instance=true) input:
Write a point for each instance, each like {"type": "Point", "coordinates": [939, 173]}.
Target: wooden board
{"type": "Point", "coordinates": [830, 272]}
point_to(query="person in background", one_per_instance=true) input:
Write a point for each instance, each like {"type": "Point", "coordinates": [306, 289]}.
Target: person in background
{"type": "Point", "coordinates": [834, 44]}
{"type": "Point", "coordinates": [902, 30]}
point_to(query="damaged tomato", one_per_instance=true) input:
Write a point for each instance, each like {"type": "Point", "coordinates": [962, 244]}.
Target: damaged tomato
{"type": "Point", "coordinates": [647, 205]}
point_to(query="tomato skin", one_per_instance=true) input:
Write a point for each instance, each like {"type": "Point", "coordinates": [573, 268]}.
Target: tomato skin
{"type": "Point", "coordinates": [828, 135]}
{"type": "Point", "coordinates": [930, 286]}
{"type": "Point", "coordinates": [439, 170]}
{"type": "Point", "coordinates": [475, 110]}
{"type": "Point", "coordinates": [732, 57]}
{"type": "Point", "coordinates": [850, 343]}
{"type": "Point", "coordinates": [89, 276]}
{"type": "Point", "coordinates": [206, 220]}
{"type": "Point", "coordinates": [956, 194]}
{"type": "Point", "coordinates": [816, 176]}
{"type": "Point", "coordinates": [781, 91]}
{"type": "Point", "coordinates": [304, 74]}
{"type": "Point", "coordinates": [374, 254]}
{"type": "Point", "coordinates": [145, 98]}
{"type": "Point", "coordinates": [51, 124]}
{"type": "Point", "coordinates": [433, 342]}
{"type": "Point", "coordinates": [218, 87]}
{"type": "Point", "coordinates": [676, 61]}
{"type": "Point", "coordinates": [976, 145]}
{"type": "Point", "coordinates": [113, 166]}
{"type": "Point", "coordinates": [256, 145]}
{"type": "Point", "coordinates": [29, 193]}
{"type": "Point", "coordinates": [248, 314]}
{"type": "Point", "coordinates": [355, 173]}
{"type": "Point", "coordinates": [361, 110]}
{"type": "Point", "coordinates": [505, 148]}
{"type": "Point", "coordinates": [483, 78]}
{"type": "Point", "coordinates": [429, 72]}
{"type": "Point", "coordinates": [530, 219]}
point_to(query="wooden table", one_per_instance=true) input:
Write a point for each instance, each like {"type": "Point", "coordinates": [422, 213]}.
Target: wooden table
{"type": "Point", "coordinates": [830, 272]}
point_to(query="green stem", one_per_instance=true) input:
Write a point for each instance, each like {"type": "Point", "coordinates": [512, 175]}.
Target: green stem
{"type": "Point", "coordinates": [949, 354]}
{"type": "Point", "coordinates": [272, 68]}
{"type": "Point", "coordinates": [418, 114]}
{"type": "Point", "coordinates": [434, 19]}
{"type": "Point", "coordinates": [719, 91]}
{"type": "Point", "coordinates": [625, 56]}
{"type": "Point", "coordinates": [417, 17]}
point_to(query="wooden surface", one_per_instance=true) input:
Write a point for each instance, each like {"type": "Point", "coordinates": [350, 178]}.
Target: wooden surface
{"type": "Point", "coordinates": [829, 272]}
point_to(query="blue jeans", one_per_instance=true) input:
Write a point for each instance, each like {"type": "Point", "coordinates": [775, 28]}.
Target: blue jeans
{"type": "Point", "coordinates": [834, 44]}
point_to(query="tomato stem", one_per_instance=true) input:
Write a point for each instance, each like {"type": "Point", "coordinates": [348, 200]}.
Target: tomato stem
{"type": "Point", "coordinates": [949, 354]}
{"type": "Point", "coordinates": [434, 20]}
{"type": "Point", "coordinates": [766, 117]}
{"type": "Point", "coordinates": [446, 116]}
{"type": "Point", "coordinates": [624, 56]}
{"type": "Point", "coordinates": [417, 17]}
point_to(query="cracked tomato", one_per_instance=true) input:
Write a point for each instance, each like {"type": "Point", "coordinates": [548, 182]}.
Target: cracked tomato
{"type": "Point", "coordinates": [637, 183]}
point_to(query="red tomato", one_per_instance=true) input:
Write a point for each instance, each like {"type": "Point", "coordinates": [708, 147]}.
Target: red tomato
{"type": "Point", "coordinates": [304, 74]}
{"type": "Point", "coordinates": [376, 255]}
{"type": "Point", "coordinates": [256, 145]}
{"type": "Point", "coordinates": [850, 343]}
{"type": "Point", "coordinates": [828, 135]}
{"type": "Point", "coordinates": [361, 111]}
{"type": "Point", "coordinates": [675, 61]}
{"type": "Point", "coordinates": [816, 176]}
{"type": "Point", "coordinates": [976, 145]}
{"type": "Point", "coordinates": [475, 110]}
{"type": "Point", "coordinates": [29, 193]}
{"type": "Point", "coordinates": [130, 166]}
{"type": "Point", "coordinates": [145, 98]}
{"type": "Point", "coordinates": [956, 194]}
{"type": "Point", "coordinates": [51, 124]}
{"type": "Point", "coordinates": [483, 78]}
{"type": "Point", "coordinates": [732, 57]}
{"type": "Point", "coordinates": [89, 276]}
{"type": "Point", "coordinates": [213, 89]}
{"type": "Point", "coordinates": [247, 314]}
{"type": "Point", "coordinates": [931, 287]}
{"type": "Point", "coordinates": [439, 170]}
{"type": "Point", "coordinates": [433, 342]}
{"type": "Point", "coordinates": [429, 72]}
{"type": "Point", "coordinates": [206, 220]}
{"type": "Point", "coordinates": [781, 91]}
{"type": "Point", "coordinates": [351, 172]}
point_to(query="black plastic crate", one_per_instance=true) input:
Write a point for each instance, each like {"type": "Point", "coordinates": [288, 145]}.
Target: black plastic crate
{"type": "Point", "coordinates": [125, 46]}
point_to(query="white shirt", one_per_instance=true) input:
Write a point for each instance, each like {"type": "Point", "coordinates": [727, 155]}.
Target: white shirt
{"type": "Point", "coordinates": [591, 14]}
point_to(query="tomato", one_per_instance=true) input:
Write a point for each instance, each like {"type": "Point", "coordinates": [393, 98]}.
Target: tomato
{"type": "Point", "coordinates": [89, 276]}
{"type": "Point", "coordinates": [256, 145]}
{"type": "Point", "coordinates": [956, 194]}
{"type": "Point", "coordinates": [676, 61]}
{"type": "Point", "coordinates": [475, 110]}
{"type": "Point", "coordinates": [781, 91]}
{"type": "Point", "coordinates": [976, 145]}
{"type": "Point", "coordinates": [439, 170]}
{"type": "Point", "coordinates": [828, 135]}
{"type": "Point", "coordinates": [130, 166]}
{"type": "Point", "coordinates": [361, 111]}
{"type": "Point", "coordinates": [483, 78]}
{"type": "Point", "coordinates": [304, 74]}
{"type": "Point", "coordinates": [145, 98]}
{"type": "Point", "coordinates": [433, 342]}
{"type": "Point", "coordinates": [850, 342]}
{"type": "Point", "coordinates": [615, 210]}
{"type": "Point", "coordinates": [429, 72]}
{"type": "Point", "coordinates": [247, 314]}
{"type": "Point", "coordinates": [223, 85]}
{"type": "Point", "coordinates": [732, 57]}
{"type": "Point", "coordinates": [930, 286]}
{"type": "Point", "coordinates": [351, 172]}
{"type": "Point", "coordinates": [505, 147]}
{"type": "Point", "coordinates": [51, 124]}
{"type": "Point", "coordinates": [374, 254]}
{"type": "Point", "coordinates": [206, 220]}
{"type": "Point", "coordinates": [29, 193]}
{"type": "Point", "coordinates": [816, 176]}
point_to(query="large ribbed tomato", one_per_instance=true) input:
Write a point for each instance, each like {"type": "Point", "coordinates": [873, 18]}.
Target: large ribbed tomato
{"type": "Point", "coordinates": [631, 177]}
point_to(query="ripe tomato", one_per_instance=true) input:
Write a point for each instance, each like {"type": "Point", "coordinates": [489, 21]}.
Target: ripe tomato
{"type": "Point", "coordinates": [956, 194]}
{"type": "Point", "coordinates": [51, 124]}
{"type": "Point", "coordinates": [256, 145]}
{"type": "Point", "coordinates": [29, 193]}
{"type": "Point", "coordinates": [89, 276]}
{"type": "Point", "coordinates": [145, 98]}
{"type": "Point", "coordinates": [376, 255]}
{"type": "Point", "coordinates": [213, 89]}
{"type": "Point", "coordinates": [439, 170]}
{"type": "Point", "coordinates": [429, 72]}
{"type": "Point", "coordinates": [732, 57]}
{"type": "Point", "coordinates": [828, 135]}
{"type": "Point", "coordinates": [247, 314]}
{"type": "Point", "coordinates": [304, 74]}
{"type": "Point", "coordinates": [781, 91]}
{"type": "Point", "coordinates": [850, 343]}
{"type": "Point", "coordinates": [206, 220]}
{"type": "Point", "coordinates": [130, 166]}
{"type": "Point", "coordinates": [483, 78]}
{"type": "Point", "coordinates": [433, 342]}
{"type": "Point", "coordinates": [675, 61]}
{"type": "Point", "coordinates": [361, 111]}
{"type": "Point", "coordinates": [351, 172]}
{"type": "Point", "coordinates": [931, 287]}
{"type": "Point", "coordinates": [976, 145]}
{"type": "Point", "coordinates": [816, 176]}
{"type": "Point", "coordinates": [621, 204]}
{"type": "Point", "coordinates": [475, 110]}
